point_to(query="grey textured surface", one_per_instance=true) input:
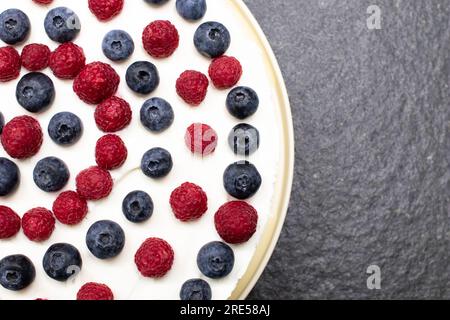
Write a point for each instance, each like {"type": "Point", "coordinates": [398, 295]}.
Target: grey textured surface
{"type": "Point", "coordinates": [371, 115]}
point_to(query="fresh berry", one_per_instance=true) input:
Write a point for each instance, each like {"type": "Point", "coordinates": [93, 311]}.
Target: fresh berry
{"type": "Point", "coordinates": [110, 152]}
{"type": "Point", "coordinates": [22, 137]}
{"type": "Point", "coordinates": [67, 61]}
{"type": "Point", "coordinates": [241, 180]}
{"type": "Point", "coordinates": [189, 202]}
{"type": "Point", "coordinates": [10, 64]}
{"type": "Point", "coordinates": [137, 206]}
{"type": "Point", "coordinates": [45, 2]}
{"type": "Point", "coordinates": [35, 57]}
{"type": "Point", "coordinates": [96, 82]}
{"type": "Point", "coordinates": [195, 289]}
{"type": "Point", "coordinates": [157, 114]}
{"type": "Point", "coordinates": [62, 24]}
{"type": "Point", "coordinates": [201, 139]}
{"type": "Point", "coordinates": [192, 87]}
{"type": "Point", "coordinates": [16, 272]}
{"type": "Point", "coordinates": [2, 122]}
{"type": "Point", "coordinates": [38, 224]}
{"type": "Point", "coordinates": [113, 114]}
{"type": "Point", "coordinates": [65, 128]}
{"type": "Point", "coordinates": [242, 102]}
{"type": "Point", "coordinates": [212, 39]}
{"type": "Point", "coordinates": [105, 239]}
{"type": "Point", "coordinates": [244, 139]}
{"type": "Point", "coordinates": [9, 176]}
{"type": "Point", "coordinates": [62, 261]}
{"type": "Point", "coordinates": [95, 292]}
{"type": "Point", "coordinates": [117, 45]}
{"type": "Point", "coordinates": [225, 72]}
{"type": "Point", "coordinates": [105, 10]}
{"type": "Point", "coordinates": [154, 258]}
{"type": "Point", "coordinates": [156, 2]}
{"type": "Point", "coordinates": [236, 222]}
{"type": "Point", "coordinates": [35, 92]}
{"type": "Point", "coordinates": [160, 39]}
{"type": "Point", "coordinates": [156, 163]}
{"type": "Point", "coordinates": [191, 9]}
{"type": "Point", "coordinates": [215, 260]}
{"type": "Point", "coordinates": [9, 223]}
{"type": "Point", "coordinates": [51, 174]}
{"type": "Point", "coordinates": [94, 183]}
{"type": "Point", "coordinates": [14, 26]}
{"type": "Point", "coordinates": [69, 208]}
{"type": "Point", "coordinates": [142, 77]}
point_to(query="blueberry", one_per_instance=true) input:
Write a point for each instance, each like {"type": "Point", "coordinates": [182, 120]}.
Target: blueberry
{"type": "Point", "coordinates": [61, 261]}
{"type": "Point", "coordinates": [105, 239]}
{"type": "Point", "coordinates": [191, 9]}
{"type": "Point", "coordinates": [16, 272]}
{"type": "Point", "coordinates": [142, 77]}
{"type": "Point", "coordinates": [62, 24]}
{"type": "Point", "coordinates": [212, 39]}
{"type": "Point", "coordinates": [244, 139]}
{"type": "Point", "coordinates": [14, 26]}
{"type": "Point", "coordinates": [137, 206]}
{"type": "Point", "coordinates": [65, 128]}
{"type": "Point", "coordinates": [156, 163]}
{"type": "Point", "coordinates": [195, 289]}
{"type": "Point", "coordinates": [117, 45]}
{"type": "Point", "coordinates": [242, 102]}
{"type": "Point", "coordinates": [242, 180]}
{"type": "Point", "coordinates": [51, 174]}
{"type": "Point", "coordinates": [157, 114]}
{"type": "Point", "coordinates": [9, 176]}
{"type": "Point", "coordinates": [35, 92]}
{"type": "Point", "coordinates": [2, 122]}
{"type": "Point", "coordinates": [215, 260]}
{"type": "Point", "coordinates": [157, 2]}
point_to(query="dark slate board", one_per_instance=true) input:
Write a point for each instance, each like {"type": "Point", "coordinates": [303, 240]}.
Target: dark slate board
{"type": "Point", "coordinates": [371, 115]}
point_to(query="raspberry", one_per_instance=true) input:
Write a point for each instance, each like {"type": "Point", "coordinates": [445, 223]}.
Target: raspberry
{"type": "Point", "coordinates": [189, 202]}
{"type": "Point", "coordinates": [154, 258]}
{"type": "Point", "coordinates": [160, 39]}
{"type": "Point", "coordinates": [9, 64]}
{"type": "Point", "coordinates": [236, 222]}
{"type": "Point", "coordinates": [105, 10]}
{"type": "Point", "coordinates": [67, 61]}
{"type": "Point", "coordinates": [113, 114]}
{"type": "Point", "coordinates": [201, 139]}
{"type": "Point", "coordinates": [35, 57]}
{"type": "Point", "coordinates": [69, 208]}
{"type": "Point", "coordinates": [110, 152]}
{"type": "Point", "coordinates": [96, 82]}
{"type": "Point", "coordinates": [22, 137]}
{"type": "Point", "coordinates": [43, 1]}
{"type": "Point", "coordinates": [94, 183]}
{"type": "Point", "coordinates": [9, 223]}
{"type": "Point", "coordinates": [225, 72]}
{"type": "Point", "coordinates": [95, 291]}
{"type": "Point", "coordinates": [38, 224]}
{"type": "Point", "coordinates": [192, 87]}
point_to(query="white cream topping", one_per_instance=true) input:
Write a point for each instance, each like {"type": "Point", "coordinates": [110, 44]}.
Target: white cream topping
{"type": "Point", "coordinates": [120, 273]}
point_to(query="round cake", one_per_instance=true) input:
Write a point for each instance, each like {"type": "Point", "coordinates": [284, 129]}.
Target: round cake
{"type": "Point", "coordinates": [140, 149]}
